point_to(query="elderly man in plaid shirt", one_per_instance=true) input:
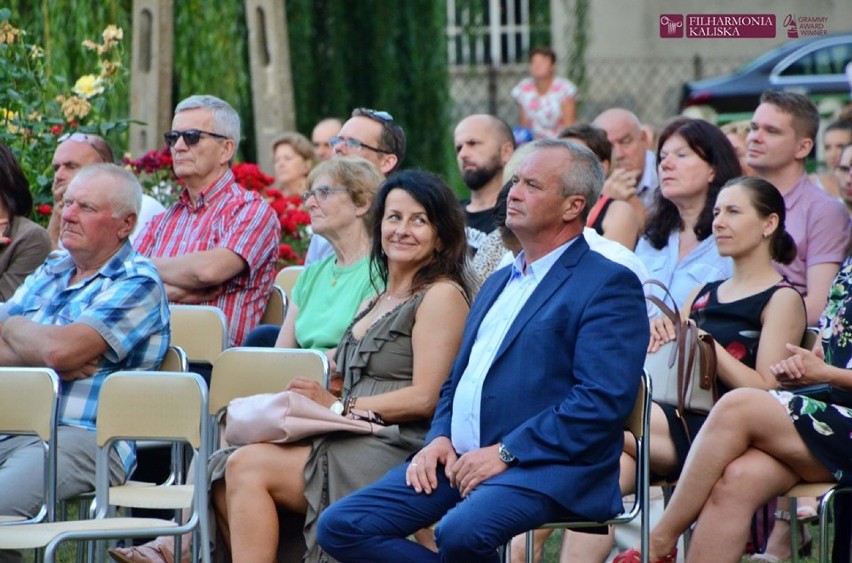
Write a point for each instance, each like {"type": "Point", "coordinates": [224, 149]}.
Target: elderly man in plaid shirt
{"type": "Point", "coordinates": [217, 245]}
{"type": "Point", "coordinates": [95, 308]}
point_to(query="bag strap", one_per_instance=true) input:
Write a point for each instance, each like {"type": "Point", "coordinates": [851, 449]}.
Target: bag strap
{"type": "Point", "coordinates": [672, 313]}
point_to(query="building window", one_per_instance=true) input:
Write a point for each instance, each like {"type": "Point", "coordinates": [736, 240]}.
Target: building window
{"type": "Point", "coordinates": [495, 32]}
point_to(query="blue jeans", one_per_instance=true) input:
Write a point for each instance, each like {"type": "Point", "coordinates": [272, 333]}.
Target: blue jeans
{"type": "Point", "coordinates": [372, 524]}
{"type": "Point", "coordinates": [263, 336]}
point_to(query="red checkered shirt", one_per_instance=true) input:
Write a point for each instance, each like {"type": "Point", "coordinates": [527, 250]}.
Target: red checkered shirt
{"type": "Point", "coordinates": [225, 216]}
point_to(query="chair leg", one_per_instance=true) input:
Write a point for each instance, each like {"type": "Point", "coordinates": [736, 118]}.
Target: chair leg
{"type": "Point", "coordinates": [824, 508]}
{"type": "Point", "coordinates": [530, 541]}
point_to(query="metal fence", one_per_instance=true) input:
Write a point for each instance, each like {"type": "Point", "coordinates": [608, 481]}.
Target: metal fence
{"type": "Point", "coordinates": [649, 87]}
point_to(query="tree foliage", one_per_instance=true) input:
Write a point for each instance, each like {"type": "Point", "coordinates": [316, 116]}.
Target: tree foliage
{"type": "Point", "coordinates": [374, 53]}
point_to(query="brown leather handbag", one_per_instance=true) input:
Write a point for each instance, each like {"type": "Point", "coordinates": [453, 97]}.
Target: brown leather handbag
{"type": "Point", "coordinates": [683, 371]}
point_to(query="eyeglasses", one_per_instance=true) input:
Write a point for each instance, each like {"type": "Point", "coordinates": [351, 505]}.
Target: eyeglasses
{"type": "Point", "coordinates": [321, 192]}
{"type": "Point", "coordinates": [353, 144]}
{"type": "Point", "coordinates": [98, 145]}
{"type": "Point", "coordinates": [190, 136]}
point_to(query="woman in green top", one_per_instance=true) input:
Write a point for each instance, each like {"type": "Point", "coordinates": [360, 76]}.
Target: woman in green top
{"type": "Point", "coordinates": [328, 292]}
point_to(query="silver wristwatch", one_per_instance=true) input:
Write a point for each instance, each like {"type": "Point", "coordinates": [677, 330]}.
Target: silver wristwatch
{"type": "Point", "coordinates": [505, 455]}
{"type": "Point", "coordinates": [337, 407]}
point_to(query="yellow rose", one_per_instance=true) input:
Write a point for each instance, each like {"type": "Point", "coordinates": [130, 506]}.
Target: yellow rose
{"type": "Point", "coordinates": [75, 108]}
{"type": "Point", "coordinates": [113, 33]}
{"type": "Point", "coordinates": [8, 34]}
{"type": "Point", "coordinates": [88, 86]}
{"type": "Point", "coordinates": [8, 117]}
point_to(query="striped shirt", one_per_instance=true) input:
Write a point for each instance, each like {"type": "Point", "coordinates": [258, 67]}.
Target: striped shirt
{"type": "Point", "coordinates": [125, 302]}
{"type": "Point", "coordinates": [225, 216]}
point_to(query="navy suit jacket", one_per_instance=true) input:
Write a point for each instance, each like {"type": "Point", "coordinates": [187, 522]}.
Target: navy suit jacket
{"type": "Point", "coordinates": [563, 381]}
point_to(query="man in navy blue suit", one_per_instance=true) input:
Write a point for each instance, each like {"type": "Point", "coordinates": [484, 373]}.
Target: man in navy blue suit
{"type": "Point", "coordinates": [529, 426]}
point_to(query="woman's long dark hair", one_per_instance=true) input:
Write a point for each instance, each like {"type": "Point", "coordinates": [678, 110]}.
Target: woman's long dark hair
{"type": "Point", "coordinates": [14, 188]}
{"type": "Point", "coordinates": [445, 216]}
{"type": "Point", "coordinates": [714, 148]}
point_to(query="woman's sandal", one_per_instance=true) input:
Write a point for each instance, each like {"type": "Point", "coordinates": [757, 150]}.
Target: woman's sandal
{"type": "Point", "coordinates": [807, 514]}
{"type": "Point", "coordinates": [152, 552]}
{"type": "Point", "coordinates": [805, 547]}
{"type": "Point", "coordinates": [635, 556]}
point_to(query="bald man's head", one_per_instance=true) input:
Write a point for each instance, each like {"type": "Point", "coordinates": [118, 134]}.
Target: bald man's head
{"type": "Point", "coordinates": [483, 145]}
{"type": "Point", "coordinates": [629, 141]}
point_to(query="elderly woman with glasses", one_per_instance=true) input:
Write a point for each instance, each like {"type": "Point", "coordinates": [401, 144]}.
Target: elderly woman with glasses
{"type": "Point", "coordinates": [328, 292]}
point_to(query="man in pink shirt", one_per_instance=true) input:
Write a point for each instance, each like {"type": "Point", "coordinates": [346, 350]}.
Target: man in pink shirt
{"type": "Point", "coordinates": [783, 129]}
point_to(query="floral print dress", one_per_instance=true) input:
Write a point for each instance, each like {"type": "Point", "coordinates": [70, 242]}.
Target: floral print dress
{"type": "Point", "coordinates": [826, 427]}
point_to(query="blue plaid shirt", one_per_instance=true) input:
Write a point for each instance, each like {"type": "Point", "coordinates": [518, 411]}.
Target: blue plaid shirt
{"type": "Point", "coordinates": [125, 302]}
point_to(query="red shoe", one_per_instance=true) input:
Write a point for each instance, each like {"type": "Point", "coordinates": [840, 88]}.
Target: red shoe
{"type": "Point", "coordinates": [635, 556]}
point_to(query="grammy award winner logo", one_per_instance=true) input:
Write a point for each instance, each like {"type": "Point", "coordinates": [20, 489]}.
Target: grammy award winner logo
{"type": "Point", "coordinates": [671, 25]}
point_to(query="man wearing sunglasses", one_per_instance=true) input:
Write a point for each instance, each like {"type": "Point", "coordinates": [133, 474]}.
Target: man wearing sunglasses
{"type": "Point", "coordinates": [370, 134]}
{"type": "Point", "coordinates": [217, 245]}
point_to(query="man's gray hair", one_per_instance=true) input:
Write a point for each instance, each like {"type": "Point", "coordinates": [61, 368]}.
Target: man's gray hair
{"type": "Point", "coordinates": [584, 174]}
{"type": "Point", "coordinates": [226, 120]}
{"type": "Point", "coordinates": [126, 193]}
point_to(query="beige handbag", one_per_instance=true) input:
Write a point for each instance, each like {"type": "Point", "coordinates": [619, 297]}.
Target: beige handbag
{"type": "Point", "coordinates": [287, 417]}
{"type": "Point", "coordinates": [683, 371]}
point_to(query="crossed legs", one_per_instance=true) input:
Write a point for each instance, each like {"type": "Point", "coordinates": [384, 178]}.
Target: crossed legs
{"type": "Point", "coordinates": [747, 453]}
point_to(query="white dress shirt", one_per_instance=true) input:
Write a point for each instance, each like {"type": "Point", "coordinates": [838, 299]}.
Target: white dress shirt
{"type": "Point", "coordinates": [467, 400]}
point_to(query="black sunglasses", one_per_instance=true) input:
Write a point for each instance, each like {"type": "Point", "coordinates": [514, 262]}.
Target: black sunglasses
{"type": "Point", "coordinates": [190, 136]}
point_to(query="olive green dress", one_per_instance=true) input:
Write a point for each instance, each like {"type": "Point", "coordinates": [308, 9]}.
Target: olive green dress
{"type": "Point", "coordinates": [341, 463]}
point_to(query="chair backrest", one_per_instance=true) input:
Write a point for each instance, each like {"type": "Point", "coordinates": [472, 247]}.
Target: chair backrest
{"type": "Point", "coordinates": [276, 307]}
{"type": "Point", "coordinates": [29, 404]}
{"type": "Point", "coordinates": [28, 401]}
{"type": "Point", "coordinates": [175, 360]}
{"type": "Point", "coordinates": [201, 330]}
{"type": "Point", "coordinates": [152, 405]}
{"type": "Point", "coordinates": [287, 277]}
{"type": "Point", "coordinates": [640, 416]}
{"type": "Point", "coordinates": [240, 372]}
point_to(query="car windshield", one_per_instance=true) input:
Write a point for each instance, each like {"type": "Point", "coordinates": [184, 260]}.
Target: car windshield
{"type": "Point", "coordinates": [769, 59]}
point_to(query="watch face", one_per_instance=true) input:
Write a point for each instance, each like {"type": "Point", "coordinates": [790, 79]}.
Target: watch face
{"type": "Point", "coordinates": [505, 455]}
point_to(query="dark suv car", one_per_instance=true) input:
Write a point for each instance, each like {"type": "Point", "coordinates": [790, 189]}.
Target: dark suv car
{"type": "Point", "coordinates": [815, 67]}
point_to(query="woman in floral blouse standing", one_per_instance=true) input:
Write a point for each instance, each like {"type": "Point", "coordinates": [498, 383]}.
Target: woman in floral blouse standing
{"type": "Point", "coordinates": [547, 103]}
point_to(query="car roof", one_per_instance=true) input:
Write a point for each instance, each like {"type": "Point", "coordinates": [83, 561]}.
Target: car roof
{"type": "Point", "coordinates": [770, 59]}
